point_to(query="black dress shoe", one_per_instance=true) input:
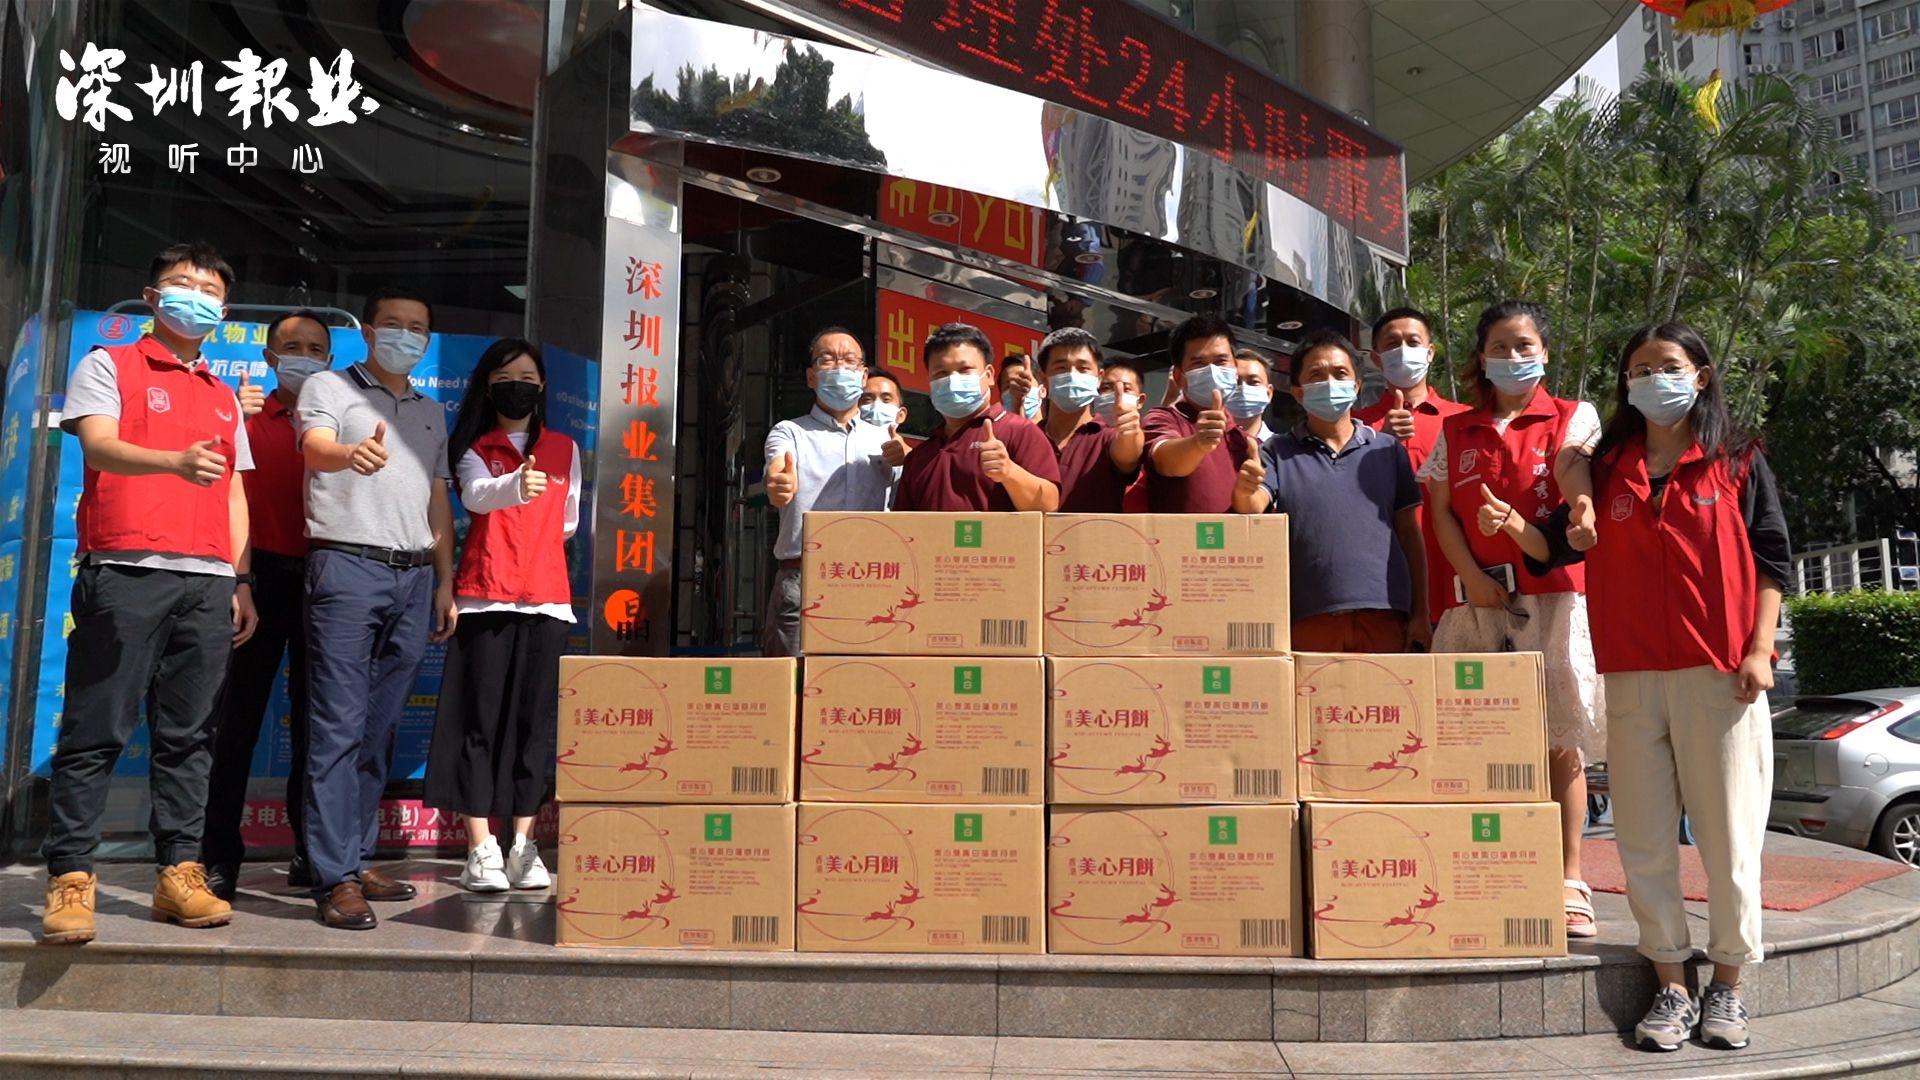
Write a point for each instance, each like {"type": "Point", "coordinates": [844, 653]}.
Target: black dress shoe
{"type": "Point", "coordinates": [379, 886]}
{"type": "Point", "coordinates": [345, 908]}
{"type": "Point", "coordinates": [221, 879]}
{"type": "Point", "coordinates": [299, 874]}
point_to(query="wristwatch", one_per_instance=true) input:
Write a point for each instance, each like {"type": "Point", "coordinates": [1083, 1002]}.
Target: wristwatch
{"type": "Point", "coordinates": [242, 579]}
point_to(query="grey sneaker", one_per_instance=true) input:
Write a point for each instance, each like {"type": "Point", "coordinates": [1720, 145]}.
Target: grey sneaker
{"type": "Point", "coordinates": [1668, 1024]}
{"type": "Point", "coordinates": [1723, 1018]}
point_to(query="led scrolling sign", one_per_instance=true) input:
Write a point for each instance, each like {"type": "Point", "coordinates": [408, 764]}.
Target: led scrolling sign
{"type": "Point", "coordinates": [1121, 63]}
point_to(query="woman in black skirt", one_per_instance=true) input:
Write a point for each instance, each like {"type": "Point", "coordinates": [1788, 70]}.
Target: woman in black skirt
{"type": "Point", "coordinates": [492, 751]}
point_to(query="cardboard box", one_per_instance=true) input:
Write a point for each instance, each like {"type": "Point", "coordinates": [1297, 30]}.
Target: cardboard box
{"type": "Point", "coordinates": [1446, 727]}
{"type": "Point", "coordinates": [657, 730]}
{"type": "Point", "coordinates": [1164, 730]}
{"type": "Point", "coordinates": [1166, 584]}
{"type": "Point", "coordinates": [934, 879]}
{"type": "Point", "coordinates": [922, 729]}
{"type": "Point", "coordinates": [1175, 881]}
{"type": "Point", "coordinates": [1409, 881]}
{"type": "Point", "coordinates": [920, 584]}
{"type": "Point", "coordinates": [676, 877]}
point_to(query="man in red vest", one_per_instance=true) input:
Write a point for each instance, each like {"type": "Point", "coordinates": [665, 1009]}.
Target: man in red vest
{"type": "Point", "coordinates": [162, 595]}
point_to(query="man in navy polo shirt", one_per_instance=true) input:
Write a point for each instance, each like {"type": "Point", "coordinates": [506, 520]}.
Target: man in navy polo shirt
{"type": "Point", "coordinates": [1352, 507]}
{"type": "Point", "coordinates": [982, 457]}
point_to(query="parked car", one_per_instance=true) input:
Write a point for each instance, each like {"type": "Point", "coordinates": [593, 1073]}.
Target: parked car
{"type": "Point", "coordinates": [1846, 768]}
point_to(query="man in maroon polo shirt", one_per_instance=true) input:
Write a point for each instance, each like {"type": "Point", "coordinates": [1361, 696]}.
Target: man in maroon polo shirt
{"type": "Point", "coordinates": [982, 457]}
{"type": "Point", "coordinates": [1195, 451]}
{"type": "Point", "coordinates": [1097, 459]}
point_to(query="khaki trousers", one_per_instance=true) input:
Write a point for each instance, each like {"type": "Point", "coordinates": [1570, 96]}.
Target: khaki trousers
{"type": "Point", "coordinates": [1678, 739]}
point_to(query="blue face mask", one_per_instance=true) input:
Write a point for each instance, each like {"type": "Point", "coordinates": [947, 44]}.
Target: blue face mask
{"type": "Point", "coordinates": [1516, 375]}
{"type": "Point", "coordinates": [880, 414]}
{"type": "Point", "coordinates": [957, 397]}
{"type": "Point", "coordinates": [396, 350]}
{"type": "Point", "coordinates": [1246, 402]}
{"type": "Point", "coordinates": [189, 313]}
{"type": "Point", "coordinates": [1406, 367]}
{"type": "Point", "coordinates": [1663, 399]}
{"type": "Point", "coordinates": [839, 388]}
{"type": "Point", "coordinates": [1073, 390]}
{"type": "Point", "coordinates": [1203, 382]}
{"type": "Point", "coordinates": [1107, 406]}
{"type": "Point", "coordinates": [1029, 407]}
{"type": "Point", "coordinates": [1329, 400]}
{"type": "Point", "coordinates": [294, 371]}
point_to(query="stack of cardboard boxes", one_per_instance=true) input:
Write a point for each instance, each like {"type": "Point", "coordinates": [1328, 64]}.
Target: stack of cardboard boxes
{"type": "Point", "coordinates": [1170, 721]}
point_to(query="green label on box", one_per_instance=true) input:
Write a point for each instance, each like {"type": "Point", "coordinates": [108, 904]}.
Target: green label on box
{"type": "Point", "coordinates": [966, 680]}
{"type": "Point", "coordinates": [967, 534]}
{"type": "Point", "coordinates": [719, 827]}
{"type": "Point", "coordinates": [1216, 679]}
{"type": "Point", "coordinates": [1486, 828]}
{"type": "Point", "coordinates": [1469, 675]}
{"type": "Point", "coordinates": [719, 680]}
{"type": "Point", "coordinates": [1223, 829]}
{"type": "Point", "coordinates": [968, 828]}
{"type": "Point", "coordinates": [1209, 535]}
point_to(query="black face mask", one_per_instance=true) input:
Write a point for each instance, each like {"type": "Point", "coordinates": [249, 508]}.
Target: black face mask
{"type": "Point", "coordinates": [515, 400]}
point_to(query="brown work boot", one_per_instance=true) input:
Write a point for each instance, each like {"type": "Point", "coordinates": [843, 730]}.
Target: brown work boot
{"type": "Point", "coordinates": [69, 918]}
{"type": "Point", "coordinates": [181, 896]}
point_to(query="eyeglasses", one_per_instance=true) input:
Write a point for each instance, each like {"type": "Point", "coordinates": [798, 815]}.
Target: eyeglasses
{"type": "Point", "coordinates": [839, 360]}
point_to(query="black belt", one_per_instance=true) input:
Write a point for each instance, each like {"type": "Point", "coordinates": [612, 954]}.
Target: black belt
{"type": "Point", "coordinates": [398, 558]}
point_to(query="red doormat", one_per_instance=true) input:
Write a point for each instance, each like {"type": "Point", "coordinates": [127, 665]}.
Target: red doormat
{"type": "Point", "coordinates": [1788, 882]}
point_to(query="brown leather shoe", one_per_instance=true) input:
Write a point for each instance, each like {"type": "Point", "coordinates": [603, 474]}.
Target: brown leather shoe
{"type": "Point", "coordinates": [380, 886]}
{"type": "Point", "coordinates": [345, 908]}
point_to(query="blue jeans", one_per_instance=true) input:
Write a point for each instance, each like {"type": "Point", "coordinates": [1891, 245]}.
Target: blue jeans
{"type": "Point", "coordinates": [367, 626]}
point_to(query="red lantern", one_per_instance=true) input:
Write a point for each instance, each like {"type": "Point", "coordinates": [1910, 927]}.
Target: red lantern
{"type": "Point", "coordinates": [1713, 16]}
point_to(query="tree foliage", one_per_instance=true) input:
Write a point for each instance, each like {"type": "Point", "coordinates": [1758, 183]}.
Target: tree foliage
{"type": "Point", "coordinates": [1759, 229]}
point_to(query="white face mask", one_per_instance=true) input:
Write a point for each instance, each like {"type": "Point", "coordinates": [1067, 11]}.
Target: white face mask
{"type": "Point", "coordinates": [1106, 405]}
{"type": "Point", "coordinates": [396, 350]}
{"type": "Point", "coordinates": [879, 413]}
{"type": "Point", "coordinates": [294, 371]}
{"type": "Point", "coordinates": [1406, 367]}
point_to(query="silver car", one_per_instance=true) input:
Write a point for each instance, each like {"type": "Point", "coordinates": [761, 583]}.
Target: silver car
{"type": "Point", "coordinates": [1846, 769]}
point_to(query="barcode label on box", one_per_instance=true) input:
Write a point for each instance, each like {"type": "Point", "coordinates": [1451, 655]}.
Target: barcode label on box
{"type": "Point", "coordinates": [1256, 783]}
{"type": "Point", "coordinates": [1003, 632]}
{"type": "Point", "coordinates": [756, 929]}
{"type": "Point", "coordinates": [1004, 929]}
{"type": "Point", "coordinates": [755, 781]}
{"type": "Point", "coordinates": [1003, 781]}
{"type": "Point", "coordinates": [1250, 635]}
{"type": "Point", "coordinates": [1264, 934]}
{"type": "Point", "coordinates": [1529, 933]}
{"type": "Point", "coordinates": [1509, 777]}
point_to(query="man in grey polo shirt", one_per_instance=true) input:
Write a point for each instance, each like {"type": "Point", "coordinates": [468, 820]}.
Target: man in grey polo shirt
{"type": "Point", "coordinates": [829, 459]}
{"type": "Point", "coordinates": [380, 530]}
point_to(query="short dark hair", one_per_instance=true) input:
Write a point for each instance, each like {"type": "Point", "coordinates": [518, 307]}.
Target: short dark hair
{"type": "Point", "coordinates": [1316, 340]}
{"type": "Point", "coordinates": [947, 335]}
{"type": "Point", "coordinates": [195, 253]}
{"type": "Point", "coordinates": [1396, 314]}
{"type": "Point", "coordinates": [1013, 359]}
{"type": "Point", "coordinates": [895, 383]}
{"type": "Point", "coordinates": [1498, 313]}
{"type": "Point", "coordinates": [1070, 337]}
{"type": "Point", "coordinates": [1197, 328]}
{"type": "Point", "coordinates": [813, 343]}
{"type": "Point", "coordinates": [371, 309]}
{"type": "Point", "coordinates": [303, 313]}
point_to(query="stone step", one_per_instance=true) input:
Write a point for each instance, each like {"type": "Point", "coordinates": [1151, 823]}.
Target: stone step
{"type": "Point", "coordinates": [1876, 1035]}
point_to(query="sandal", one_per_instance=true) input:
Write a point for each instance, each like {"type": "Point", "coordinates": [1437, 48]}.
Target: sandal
{"type": "Point", "coordinates": [1582, 907]}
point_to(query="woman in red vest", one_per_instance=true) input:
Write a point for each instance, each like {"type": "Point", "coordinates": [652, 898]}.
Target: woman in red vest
{"type": "Point", "coordinates": [1510, 449]}
{"type": "Point", "coordinates": [492, 749]}
{"type": "Point", "coordinates": [1686, 562]}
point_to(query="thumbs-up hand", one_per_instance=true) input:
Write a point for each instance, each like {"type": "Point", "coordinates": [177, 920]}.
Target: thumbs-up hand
{"type": "Point", "coordinates": [1494, 514]}
{"type": "Point", "coordinates": [783, 480]}
{"type": "Point", "coordinates": [1211, 426]}
{"type": "Point", "coordinates": [1126, 415]}
{"type": "Point", "coordinates": [993, 455]}
{"type": "Point", "coordinates": [1581, 533]}
{"type": "Point", "coordinates": [202, 463]}
{"type": "Point", "coordinates": [1253, 473]}
{"type": "Point", "coordinates": [533, 482]}
{"type": "Point", "coordinates": [894, 450]}
{"type": "Point", "coordinates": [1399, 417]}
{"type": "Point", "coordinates": [252, 398]}
{"type": "Point", "coordinates": [370, 454]}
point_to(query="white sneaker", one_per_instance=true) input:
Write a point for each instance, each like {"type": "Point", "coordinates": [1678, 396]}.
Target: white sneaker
{"type": "Point", "coordinates": [485, 871]}
{"type": "Point", "coordinates": [524, 867]}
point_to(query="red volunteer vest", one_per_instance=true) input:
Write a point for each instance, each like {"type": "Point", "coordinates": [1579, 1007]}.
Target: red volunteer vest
{"type": "Point", "coordinates": [1677, 584]}
{"type": "Point", "coordinates": [519, 555]}
{"type": "Point", "coordinates": [1518, 467]}
{"type": "Point", "coordinates": [164, 405]}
